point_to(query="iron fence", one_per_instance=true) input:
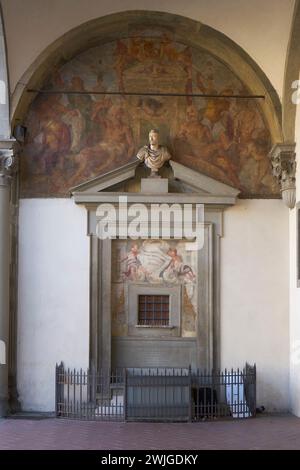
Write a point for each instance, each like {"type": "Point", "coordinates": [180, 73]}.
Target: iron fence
{"type": "Point", "coordinates": [155, 394]}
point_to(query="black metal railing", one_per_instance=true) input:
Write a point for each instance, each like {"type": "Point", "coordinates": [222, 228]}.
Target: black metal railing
{"type": "Point", "coordinates": [155, 394]}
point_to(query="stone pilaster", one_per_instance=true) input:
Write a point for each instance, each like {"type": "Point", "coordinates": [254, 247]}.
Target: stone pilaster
{"type": "Point", "coordinates": [6, 167]}
{"type": "Point", "coordinates": [283, 159]}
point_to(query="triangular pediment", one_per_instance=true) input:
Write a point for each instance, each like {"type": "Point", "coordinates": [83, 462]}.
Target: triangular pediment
{"type": "Point", "coordinates": [202, 182]}
{"type": "Point", "coordinates": [182, 180]}
{"type": "Point", "coordinates": [107, 180]}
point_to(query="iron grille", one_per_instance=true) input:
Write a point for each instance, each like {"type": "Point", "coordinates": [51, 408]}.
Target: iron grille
{"type": "Point", "coordinates": [153, 310]}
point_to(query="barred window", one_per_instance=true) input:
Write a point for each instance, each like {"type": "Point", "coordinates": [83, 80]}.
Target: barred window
{"type": "Point", "coordinates": [153, 310]}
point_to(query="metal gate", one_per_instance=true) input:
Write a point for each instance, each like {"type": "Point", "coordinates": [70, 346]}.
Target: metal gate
{"type": "Point", "coordinates": [158, 394]}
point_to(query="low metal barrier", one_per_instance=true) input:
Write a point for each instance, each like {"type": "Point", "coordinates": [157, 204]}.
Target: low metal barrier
{"type": "Point", "coordinates": [155, 394]}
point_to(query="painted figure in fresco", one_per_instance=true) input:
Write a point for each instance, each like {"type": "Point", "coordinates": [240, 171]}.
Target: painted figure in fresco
{"type": "Point", "coordinates": [115, 147]}
{"type": "Point", "coordinates": [236, 128]}
{"type": "Point", "coordinates": [176, 269]}
{"type": "Point", "coordinates": [134, 269]}
{"type": "Point", "coordinates": [253, 143]}
{"type": "Point", "coordinates": [81, 105]}
{"type": "Point", "coordinates": [117, 129]}
{"type": "Point", "coordinates": [50, 135]}
{"type": "Point", "coordinates": [192, 130]}
{"type": "Point", "coordinates": [154, 155]}
{"type": "Point", "coordinates": [206, 136]}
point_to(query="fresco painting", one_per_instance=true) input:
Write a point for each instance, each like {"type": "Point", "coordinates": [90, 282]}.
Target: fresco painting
{"type": "Point", "coordinates": [156, 262]}
{"type": "Point", "coordinates": [73, 137]}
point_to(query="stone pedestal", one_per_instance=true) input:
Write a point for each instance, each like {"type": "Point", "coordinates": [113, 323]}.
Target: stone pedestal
{"type": "Point", "coordinates": [154, 185]}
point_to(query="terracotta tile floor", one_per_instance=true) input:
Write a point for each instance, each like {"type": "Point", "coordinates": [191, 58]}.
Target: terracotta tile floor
{"type": "Point", "coordinates": [263, 432]}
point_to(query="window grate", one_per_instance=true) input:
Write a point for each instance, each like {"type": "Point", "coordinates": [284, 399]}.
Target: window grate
{"type": "Point", "coordinates": [153, 310]}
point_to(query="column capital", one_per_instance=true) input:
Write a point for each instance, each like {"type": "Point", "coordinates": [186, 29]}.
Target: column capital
{"type": "Point", "coordinates": [283, 159]}
{"type": "Point", "coordinates": [8, 151]}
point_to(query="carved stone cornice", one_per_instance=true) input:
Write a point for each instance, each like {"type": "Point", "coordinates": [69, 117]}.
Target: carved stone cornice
{"type": "Point", "coordinates": [8, 151]}
{"type": "Point", "coordinates": [283, 159]}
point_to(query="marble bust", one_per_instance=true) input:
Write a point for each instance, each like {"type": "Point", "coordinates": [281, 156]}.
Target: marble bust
{"type": "Point", "coordinates": [153, 154]}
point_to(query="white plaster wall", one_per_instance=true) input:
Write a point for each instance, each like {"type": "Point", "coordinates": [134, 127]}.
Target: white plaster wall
{"type": "Point", "coordinates": [261, 27]}
{"type": "Point", "coordinates": [294, 290]}
{"type": "Point", "coordinates": [255, 296]}
{"type": "Point", "coordinates": [294, 321]}
{"type": "Point", "coordinates": [53, 315]}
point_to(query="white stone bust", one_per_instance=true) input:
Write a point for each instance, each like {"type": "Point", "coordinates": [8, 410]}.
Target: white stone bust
{"type": "Point", "coordinates": [154, 155]}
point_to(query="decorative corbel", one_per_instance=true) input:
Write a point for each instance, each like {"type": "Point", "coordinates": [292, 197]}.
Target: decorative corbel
{"type": "Point", "coordinates": [283, 159]}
